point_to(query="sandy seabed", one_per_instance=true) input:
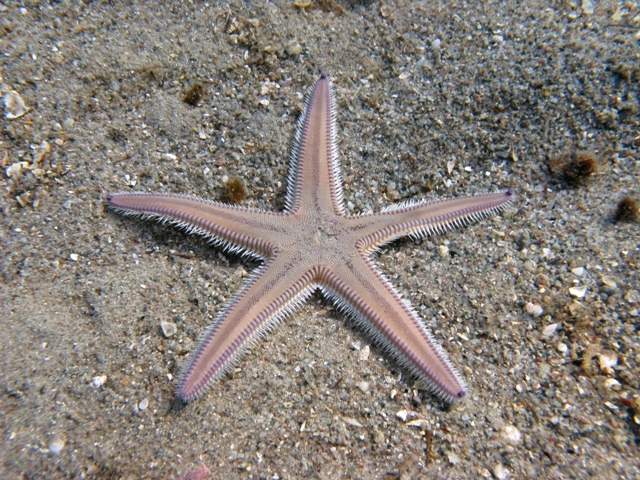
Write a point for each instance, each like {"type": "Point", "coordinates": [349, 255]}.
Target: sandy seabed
{"type": "Point", "coordinates": [538, 308]}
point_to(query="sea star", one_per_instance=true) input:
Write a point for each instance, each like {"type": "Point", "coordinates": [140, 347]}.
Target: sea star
{"type": "Point", "coordinates": [314, 245]}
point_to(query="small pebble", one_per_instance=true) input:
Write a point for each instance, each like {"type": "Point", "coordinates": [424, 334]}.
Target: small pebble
{"type": "Point", "coordinates": [169, 329]}
{"type": "Point", "coordinates": [73, 257]}
{"type": "Point", "coordinates": [562, 348]}
{"type": "Point", "coordinates": [533, 309]}
{"type": "Point", "coordinates": [443, 250]}
{"type": "Point", "coordinates": [143, 404]}
{"type": "Point", "coordinates": [500, 472]}
{"type": "Point", "coordinates": [364, 353]}
{"type": "Point", "coordinates": [99, 380]}
{"type": "Point", "coordinates": [363, 386]}
{"type": "Point", "coordinates": [512, 435]}
{"type": "Point", "coordinates": [68, 123]}
{"type": "Point", "coordinates": [293, 48]}
{"type": "Point", "coordinates": [579, 271]}
{"type": "Point", "coordinates": [201, 472]}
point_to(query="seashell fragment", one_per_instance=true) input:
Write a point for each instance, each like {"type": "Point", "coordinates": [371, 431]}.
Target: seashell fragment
{"type": "Point", "coordinates": [578, 292]}
{"type": "Point", "coordinates": [14, 106]}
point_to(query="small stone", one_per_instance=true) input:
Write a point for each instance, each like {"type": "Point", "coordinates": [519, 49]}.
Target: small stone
{"type": "Point", "coordinates": [68, 123]}
{"type": "Point", "coordinates": [201, 472]}
{"type": "Point", "coordinates": [609, 282]}
{"type": "Point", "coordinates": [500, 472]}
{"type": "Point", "coordinates": [562, 348]}
{"type": "Point", "coordinates": [443, 250]}
{"type": "Point", "coordinates": [143, 404]}
{"type": "Point", "coordinates": [578, 292]}
{"type": "Point", "coordinates": [363, 386]}
{"type": "Point", "coordinates": [533, 309]}
{"type": "Point", "coordinates": [73, 257]}
{"type": "Point", "coordinates": [512, 435]}
{"type": "Point", "coordinates": [378, 437]}
{"type": "Point", "coordinates": [364, 353]}
{"type": "Point", "coordinates": [99, 380]}
{"type": "Point", "coordinates": [57, 443]}
{"type": "Point", "coordinates": [403, 414]}
{"type": "Point", "coordinates": [453, 458]}
{"type": "Point", "coordinates": [579, 271]}
{"type": "Point", "coordinates": [587, 7]}
{"type": "Point", "coordinates": [497, 39]}
{"type": "Point", "coordinates": [293, 48]}
{"type": "Point", "coordinates": [575, 308]}
{"type": "Point", "coordinates": [169, 329]}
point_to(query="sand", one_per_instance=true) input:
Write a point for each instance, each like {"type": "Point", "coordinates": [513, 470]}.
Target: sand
{"type": "Point", "coordinates": [538, 308]}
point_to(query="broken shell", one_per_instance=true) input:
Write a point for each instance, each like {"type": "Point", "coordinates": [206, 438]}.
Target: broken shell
{"type": "Point", "coordinates": [16, 168]}
{"type": "Point", "coordinates": [14, 106]}
{"type": "Point", "coordinates": [57, 443]}
{"type": "Point", "coordinates": [422, 423]}
{"type": "Point", "coordinates": [549, 329]}
{"type": "Point", "coordinates": [169, 329]}
{"type": "Point", "coordinates": [352, 422]}
{"type": "Point", "coordinates": [578, 292]}
{"type": "Point", "coordinates": [612, 384]}
{"type": "Point", "coordinates": [607, 360]}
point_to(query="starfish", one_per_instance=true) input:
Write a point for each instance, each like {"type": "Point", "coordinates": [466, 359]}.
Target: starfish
{"type": "Point", "coordinates": [314, 244]}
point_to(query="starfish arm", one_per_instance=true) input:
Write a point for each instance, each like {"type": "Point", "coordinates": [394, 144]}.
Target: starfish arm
{"type": "Point", "coordinates": [238, 229]}
{"type": "Point", "coordinates": [270, 294]}
{"type": "Point", "coordinates": [425, 218]}
{"type": "Point", "coordinates": [362, 292]}
{"type": "Point", "coordinates": [314, 169]}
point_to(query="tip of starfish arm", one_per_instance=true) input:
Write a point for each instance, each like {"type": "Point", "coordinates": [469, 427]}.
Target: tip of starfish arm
{"type": "Point", "coordinates": [323, 76]}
